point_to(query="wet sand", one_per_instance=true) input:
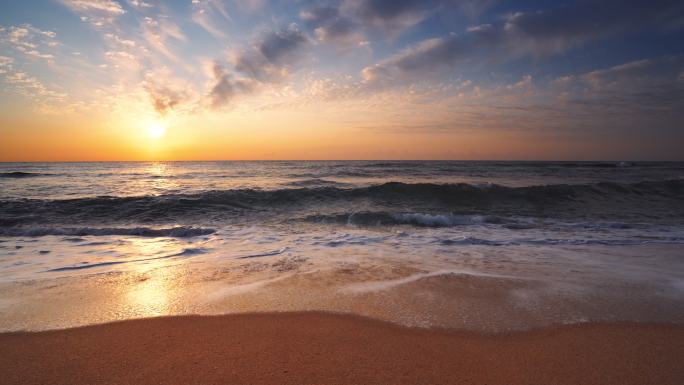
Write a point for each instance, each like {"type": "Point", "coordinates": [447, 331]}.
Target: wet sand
{"type": "Point", "coordinates": [322, 348]}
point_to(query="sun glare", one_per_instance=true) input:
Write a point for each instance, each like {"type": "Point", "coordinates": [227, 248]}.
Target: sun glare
{"type": "Point", "coordinates": [156, 130]}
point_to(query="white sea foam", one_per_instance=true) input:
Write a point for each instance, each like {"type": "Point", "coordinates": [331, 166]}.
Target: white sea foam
{"type": "Point", "coordinates": [373, 286]}
{"type": "Point", "coordinates": [435, 220]}
{"type": "Point", "coordinates": [231, 290]}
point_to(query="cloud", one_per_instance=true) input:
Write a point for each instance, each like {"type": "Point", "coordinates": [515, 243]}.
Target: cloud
{"type": "Point", "coordinates": [166, 92]}
{"type": "Point", "coordinates": [124, 53]}
{"type": "Point", "coordinates": [117, 40]}
{"type": "Point", "coordinates": [30, 41]}
{"type": "Point", "coordinates": [637, 74]}
{"type": "Point", "coordinates": [428, 55]}
{"type": "Point", "coordinates": [642, 98]}
{"type": "Point", "coordinates": [533, 33]}
{"type": "Point", "coordinates": [123, 59]}
{"type": "Point", "coordinates": [330, 26]}
{"type": "Point", "coordinates": [643, 95]}
{"type": "Point", "coordinates": [225, 87]}
{"type": "Point", "coordinates": [632, 88]}
{"type": "Point", "coordinates": [345, 23]}
{"type": "Point", "coordinates": [30, 87]}
{"type": "Point", "coordinates": [258, 72]}
{"type": "Point", "coordinates": [268, 61]}
{"type": "Point", "coordinates": [6, 64]}
{"type": "Point", "coordinates": [157, 33]}
{"type": "Point", "coordinates": [392, 16]}
{"type": "Point", "coordinates": [140, 4]}
{"type": "Point", "coordinates": [210, 15]}
{"type": "Point", "coordinates": [565, 27]}
{"type": "Point", "coordinates": [96, 12]}
{"type": "Point", "coordinates": [279, 45]}
{"type": "Point", "coordinates": [270, 58]}
{"type": "Point", "coordinates": [33, 44]}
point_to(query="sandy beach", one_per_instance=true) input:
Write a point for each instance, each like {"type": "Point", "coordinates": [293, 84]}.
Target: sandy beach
{"type": "Point", "coordinates": [322, 348]}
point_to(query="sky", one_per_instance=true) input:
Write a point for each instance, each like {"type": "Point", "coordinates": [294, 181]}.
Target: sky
{"type": "Point", "coordinates": [98, 80]}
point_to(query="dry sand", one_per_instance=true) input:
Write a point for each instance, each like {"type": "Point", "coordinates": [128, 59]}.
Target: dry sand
{"type": "Point", "coordinates": [320, 348]}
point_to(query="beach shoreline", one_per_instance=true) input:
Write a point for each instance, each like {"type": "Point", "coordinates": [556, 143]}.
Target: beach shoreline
{"type": "Point", "coordinates": [317, 347]}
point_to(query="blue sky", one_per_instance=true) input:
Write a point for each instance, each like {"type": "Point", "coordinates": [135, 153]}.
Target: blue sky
{"type": "Point", "coordinates": [579, 71]}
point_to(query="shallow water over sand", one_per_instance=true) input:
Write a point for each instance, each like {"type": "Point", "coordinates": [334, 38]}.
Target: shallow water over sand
{"type": "Point", "coordinates": [411, 279]}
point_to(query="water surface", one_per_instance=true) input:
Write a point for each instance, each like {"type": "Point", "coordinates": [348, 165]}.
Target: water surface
{"type": "Point", "coordinates": [480, 245]}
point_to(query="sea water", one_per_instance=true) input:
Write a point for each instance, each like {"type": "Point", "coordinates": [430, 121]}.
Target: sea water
{"type": "Point", "coordinates": [464, 244]}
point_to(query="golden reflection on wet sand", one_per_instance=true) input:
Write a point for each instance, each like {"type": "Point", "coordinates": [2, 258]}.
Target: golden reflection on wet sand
{"type": "Point", "coordinates": [150, 297]}
{"type": "Point", "coordinates": [150, 294]}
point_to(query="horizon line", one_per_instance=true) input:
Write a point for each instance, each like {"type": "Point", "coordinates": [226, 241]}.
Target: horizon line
{"type": "Point", "coordinates": [346, 160]}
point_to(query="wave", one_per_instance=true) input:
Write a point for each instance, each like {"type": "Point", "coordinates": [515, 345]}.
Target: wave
{"type": "Point", "coordinates": [581, 200]}
{"type": "Point", "coordinates": [474, 241]}
{"type": "Point", "coordinates": [369, 218]}
{"type": "Point", "coordinates": [173, 232]}
{"type": "Point", "coordinates": [21, 174]}
{"type": "Point", "coordinates": [314, 182]}
{"type": "Point", "coordinates": [518, 164]}
{"type": "Point", "coordinates": [84, 265]}
{"type": "Point", "coordinates": [384, 218]}
{"type": "Point", "coordinates": [333, 173]}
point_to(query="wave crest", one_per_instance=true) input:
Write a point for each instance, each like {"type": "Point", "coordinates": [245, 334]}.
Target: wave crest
{"type": "Point", "coordinates": [21, 174]}
{"type": "Point", "coordinates": [368, 218]}
{"type": "Point", "coordinates": [600, 199]}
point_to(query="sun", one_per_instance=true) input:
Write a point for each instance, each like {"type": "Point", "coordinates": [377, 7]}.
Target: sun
{"type": "Point", "coordinates": [156, 130]}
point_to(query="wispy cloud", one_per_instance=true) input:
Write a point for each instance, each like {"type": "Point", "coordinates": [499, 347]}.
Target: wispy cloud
{"type": "Point", "coordinates": [44, 98]}
{"type": "Point", "coordinates": [631, 88]}
{"type": "Point", "coordinates": [32, 42]}
{"type": "Point", "coordinates": [140, 4]}
{"type": "Point", "coordinates": [96, 12]}
{"type": "Point", "coordinates": [158, 32]}
{"type": "Point", "coordinates": [531, 33]}
{"type": "Point", "coordinates": [211, 15]}
{"type": "Point", "coordinates": [5, 64]}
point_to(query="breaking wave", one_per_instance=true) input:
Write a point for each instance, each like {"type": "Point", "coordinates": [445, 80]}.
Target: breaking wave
{"type": "Point", "coordinates": [578, 200]}
{"type": "Point", "coordinates": [415, 219]}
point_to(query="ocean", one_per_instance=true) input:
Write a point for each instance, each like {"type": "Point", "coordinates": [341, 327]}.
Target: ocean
{"type": "Point", "coordinates": [484, 245]}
